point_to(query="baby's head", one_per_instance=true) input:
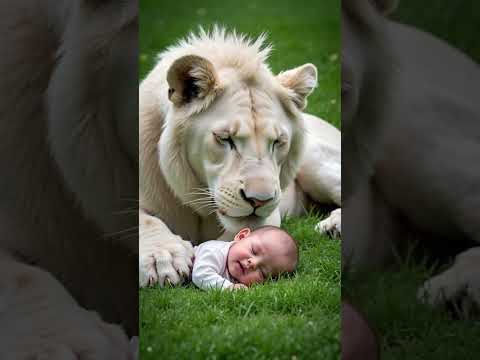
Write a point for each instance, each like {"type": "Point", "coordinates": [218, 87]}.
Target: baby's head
{"type": "Point", "coordinates": [257, 255]}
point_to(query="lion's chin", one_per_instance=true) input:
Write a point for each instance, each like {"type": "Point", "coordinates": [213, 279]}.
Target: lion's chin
{"type": "Point", "coordinates": [235, 224]}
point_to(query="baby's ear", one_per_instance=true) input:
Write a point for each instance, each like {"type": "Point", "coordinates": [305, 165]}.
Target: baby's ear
{"type": "Point", "coordinates": [242, 234]}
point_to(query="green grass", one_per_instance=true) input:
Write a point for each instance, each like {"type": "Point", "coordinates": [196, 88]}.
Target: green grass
{"type": "Point", "coordinates": [286, 319]}
{"type": "Point", "coordinates": [300, 34]}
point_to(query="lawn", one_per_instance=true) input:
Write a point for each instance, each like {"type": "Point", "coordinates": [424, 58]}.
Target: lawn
{"type": "Point", "coordinates": [295, 318]}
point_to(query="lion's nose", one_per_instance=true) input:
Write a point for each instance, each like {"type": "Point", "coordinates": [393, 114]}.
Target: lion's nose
{"type": "Point", "coordinates": [257, 203]}
{"type": "Point", "coordinates": [255, 200]}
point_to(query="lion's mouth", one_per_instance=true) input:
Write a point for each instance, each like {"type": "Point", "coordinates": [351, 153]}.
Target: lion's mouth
{"type": "Point", "coordinates": [234, 223]}
{"type": "Point", "coordinates": [251, 217]}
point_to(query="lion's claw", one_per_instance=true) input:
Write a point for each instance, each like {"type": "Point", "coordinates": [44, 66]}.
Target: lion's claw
{"type": "Point", "coordinates": [165, 259]}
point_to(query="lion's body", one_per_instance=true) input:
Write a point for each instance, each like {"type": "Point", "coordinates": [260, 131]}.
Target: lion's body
{"type": "Point", "coordinates": [224, 144]}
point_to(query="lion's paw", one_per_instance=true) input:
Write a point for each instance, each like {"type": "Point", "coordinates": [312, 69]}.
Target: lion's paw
{"type": "Point", "coordinates": [331, 225]}
{"type": "Point", "coordinates": [167, 262]}
{"type": "Point", "coordinates": [458, 285]}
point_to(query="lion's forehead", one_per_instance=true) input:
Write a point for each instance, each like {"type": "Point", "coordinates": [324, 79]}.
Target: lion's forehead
{"type": "Point", "coordinates": [255, 112]}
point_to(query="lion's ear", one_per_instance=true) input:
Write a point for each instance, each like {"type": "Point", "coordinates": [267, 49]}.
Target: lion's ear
{"type": "Point", "coordinates": [301, 81]}
{"type": "Point", "coordinates": [190, 77]}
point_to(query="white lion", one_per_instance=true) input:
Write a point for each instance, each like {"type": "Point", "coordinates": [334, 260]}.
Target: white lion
{"type": "Point", "coordinates": [223, 145]}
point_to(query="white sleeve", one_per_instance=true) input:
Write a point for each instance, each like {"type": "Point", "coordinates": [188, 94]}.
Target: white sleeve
{"type": "Point", "coordinates": [207, 268]}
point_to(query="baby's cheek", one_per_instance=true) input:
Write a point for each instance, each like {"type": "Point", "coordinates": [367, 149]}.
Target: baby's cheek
{"type": "Point", "coordinates": [256, 278]}
{"type": "Point", "coordinates": [247, 280]}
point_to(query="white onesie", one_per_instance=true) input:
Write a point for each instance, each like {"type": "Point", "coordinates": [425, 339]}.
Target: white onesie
{"type": "Point", "coordinates": [210, 265]}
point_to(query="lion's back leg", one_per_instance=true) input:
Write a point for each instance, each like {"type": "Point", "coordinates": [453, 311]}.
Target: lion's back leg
{"type": "Point", "coordinates": [294, 201]}
{"type": "Point", "coordinates": [320, 173]}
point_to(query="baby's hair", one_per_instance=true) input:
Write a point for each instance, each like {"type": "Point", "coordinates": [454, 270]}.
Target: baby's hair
{"type": "Point", "coordinates": [266, 228]}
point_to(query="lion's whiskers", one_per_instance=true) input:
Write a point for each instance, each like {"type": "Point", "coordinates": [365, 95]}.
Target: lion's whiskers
{"type": "Point", "coordinates": [203, 202]}
{"type": "Point", "coordinates": [203, 198]}
{"type": "Point", "coordinates": [198, 208]}
{"type": "Point", "coordinates": [213, 211]}
{"type": "Point", "coordinates": [199, 199]}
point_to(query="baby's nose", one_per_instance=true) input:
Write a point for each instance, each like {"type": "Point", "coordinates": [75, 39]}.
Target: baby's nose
{"type": "Point", "coordinates": [252, 264]}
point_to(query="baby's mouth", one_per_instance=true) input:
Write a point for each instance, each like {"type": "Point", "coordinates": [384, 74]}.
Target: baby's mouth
{"type": "Point", "coordinates": [241, 267]}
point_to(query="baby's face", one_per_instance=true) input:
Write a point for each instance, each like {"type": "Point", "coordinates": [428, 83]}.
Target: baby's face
{"type": "Point", "coordinates": [253, 258]}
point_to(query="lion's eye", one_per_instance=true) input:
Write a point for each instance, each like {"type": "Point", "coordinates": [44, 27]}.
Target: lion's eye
{"type": "Point", "coordinates": [231, 143]}
{"type": "Point", "coordinates": [276, 144]}
{"type": "Point", "coordinates": [224, 139]}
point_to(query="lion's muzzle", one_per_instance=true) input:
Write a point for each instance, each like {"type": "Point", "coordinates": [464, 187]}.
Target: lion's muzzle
{"type": "Point", "coordinates": [260, 189]}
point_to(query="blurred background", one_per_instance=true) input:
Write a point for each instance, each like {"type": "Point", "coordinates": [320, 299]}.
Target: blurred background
{"type": "Point", "coordinates": [453, 21]}
{"type": "Point", "coordinates": [408, 329]}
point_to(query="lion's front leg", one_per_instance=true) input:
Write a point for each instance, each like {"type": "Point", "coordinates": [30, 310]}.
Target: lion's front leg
{"type": "Point", "coordinates": [459, 284]}
{"type": "Point", "coordinates": [164, 258]}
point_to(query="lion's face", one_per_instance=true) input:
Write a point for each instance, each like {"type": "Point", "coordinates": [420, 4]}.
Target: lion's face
{"type": "Point", "coordinates": [240, 139]}
{"type": "Point", "coordinates": [237, 148]}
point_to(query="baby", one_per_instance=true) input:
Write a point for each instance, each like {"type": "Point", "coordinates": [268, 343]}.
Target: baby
{"type": "Point", "coordinates": [252, 257]}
